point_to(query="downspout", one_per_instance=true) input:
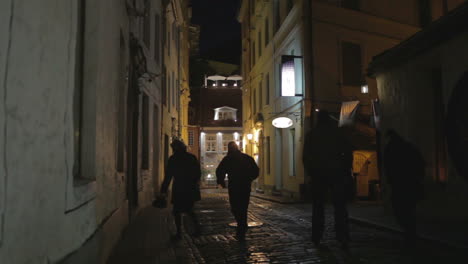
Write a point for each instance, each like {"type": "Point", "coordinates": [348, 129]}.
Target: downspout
{"type": "Point", "coordinates": [307, 110]}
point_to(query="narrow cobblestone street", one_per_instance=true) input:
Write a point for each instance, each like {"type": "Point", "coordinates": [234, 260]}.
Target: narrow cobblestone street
{"type": "Point", "coordinates": [283, 238]}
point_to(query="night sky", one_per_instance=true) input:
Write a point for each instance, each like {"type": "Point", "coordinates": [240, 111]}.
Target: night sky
{"type": "Point", "coordinates": [220, 31]}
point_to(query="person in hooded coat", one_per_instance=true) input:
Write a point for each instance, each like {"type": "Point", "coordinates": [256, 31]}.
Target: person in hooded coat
{"type": "Point", "coordinates": [184, 168]}
{"type": "Point", "coordinates": [404, 168]}
{"type": "Point", "coordinates": [241, 170]}
{"type": "Point", "coordinates": [327, 158]}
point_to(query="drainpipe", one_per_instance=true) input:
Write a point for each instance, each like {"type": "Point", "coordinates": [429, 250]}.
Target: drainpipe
{"type": "Point", "coordinates": [309, 80]}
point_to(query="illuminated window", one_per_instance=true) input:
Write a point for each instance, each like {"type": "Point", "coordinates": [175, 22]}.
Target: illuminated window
{"type": "Point", "coordinates": [225, 113]}
{"type": "Point", "coordinates": [210, 143]}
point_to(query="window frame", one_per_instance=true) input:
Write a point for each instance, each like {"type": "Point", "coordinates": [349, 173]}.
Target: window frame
{"type": "Point", "coordinates": [209, 141]}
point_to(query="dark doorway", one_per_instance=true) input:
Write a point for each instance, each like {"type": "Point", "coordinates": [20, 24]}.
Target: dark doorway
{"type": "Point", "coordinates": [457, 126]}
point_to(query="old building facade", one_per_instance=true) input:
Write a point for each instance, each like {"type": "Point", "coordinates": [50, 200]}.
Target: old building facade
{"type": "Point", "coordinates": [86, 107]}
{"type": "Point", "coordinates": [219, 112]}
{"type": "Point", "coordinates": [422, 98]}
{"type": "Point", "coordinates": [329, 44]}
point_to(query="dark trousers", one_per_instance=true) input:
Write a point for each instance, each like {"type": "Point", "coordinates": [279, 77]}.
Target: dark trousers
{"type": "Point", "coordinates": [324, 182]}
{"type": "Point", "coordinates": [178, 220]}
{"type": "Point", "coordinates": [239, 201]}
{"type": "Point", "coordinates": [404, 209]}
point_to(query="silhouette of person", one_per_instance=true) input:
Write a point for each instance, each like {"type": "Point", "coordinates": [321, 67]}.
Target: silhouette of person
{"type": "Point", "coordinates": [184, 168]}
{"type": "Point", "coordinates": [404, 170]}
{"type": "Point", "coordinates": [327, 158]}
{"type": "Point", "coordinates": [241, 170]}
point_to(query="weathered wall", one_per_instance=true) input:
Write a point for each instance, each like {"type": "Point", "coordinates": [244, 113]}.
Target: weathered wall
{"type": "Point", "coordinates": [373, 34]}
{"type": "Point", "coordinates": [5, 22]}
{"type": "Point", "coordinates": [37, 90]}
{"type": "Point", "coordinates": [407, 106]}
{"type": "Point", "coordinates": [48, 216]}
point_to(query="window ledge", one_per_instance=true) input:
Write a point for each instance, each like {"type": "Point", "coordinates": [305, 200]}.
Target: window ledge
{"type": "Point", "coordinates": [81, 181]}
{"type": "Point", "coordinates": [79, 193]}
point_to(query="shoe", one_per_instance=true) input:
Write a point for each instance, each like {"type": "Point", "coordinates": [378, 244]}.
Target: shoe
{"type": "Point", "coordinates": [344, 245]}
{"type": "Point", "coordinates": [240, 237]}
{"type": "Point", "coordinates": [197, 233]}
{"type": "Point", "coordinates": [177, 236]}
{"type": "Point", "coordinates": [316, 243]}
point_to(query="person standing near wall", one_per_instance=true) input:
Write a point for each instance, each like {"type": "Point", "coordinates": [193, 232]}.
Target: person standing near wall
{"type": "Point", "coordinates": [404, 168]}
{"type": "Point", "coordinates": [327, 158]}
{"type": "Point", "coordinates": [184, 168]}
{"type": "Point", "coordinates": [241, 170]}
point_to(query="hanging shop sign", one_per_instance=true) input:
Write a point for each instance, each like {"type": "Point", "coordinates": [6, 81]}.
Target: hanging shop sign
{"type": "Point", "coordinates": [282, 122]}
{"type": "Point", "coordinates": [288, 75]}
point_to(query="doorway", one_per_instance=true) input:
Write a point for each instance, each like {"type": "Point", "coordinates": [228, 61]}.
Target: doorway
{"type": "Point", "coordinates": [279, 159]}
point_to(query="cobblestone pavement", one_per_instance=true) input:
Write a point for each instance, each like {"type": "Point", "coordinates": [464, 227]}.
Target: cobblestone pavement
{"type": "Point", "coordinates": [285, 237]}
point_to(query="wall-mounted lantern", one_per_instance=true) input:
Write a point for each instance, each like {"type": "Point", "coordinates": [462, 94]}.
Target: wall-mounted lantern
{"type": "Point", "coordinates": [249, 136]}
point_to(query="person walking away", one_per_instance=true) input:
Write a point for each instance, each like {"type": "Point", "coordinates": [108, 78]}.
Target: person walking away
{"type": "Point", "coordinates": [404, 170]}
{"type": "Point", "coordinates": [327, 158]}
{"type": "Point", "coordinates": [241, 170]}
{"type": "Point", "coordinates": [184, 168]}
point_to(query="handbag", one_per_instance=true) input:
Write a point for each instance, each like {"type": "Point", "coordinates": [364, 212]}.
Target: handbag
{"type": "Point", "coordinates": [160, 202]}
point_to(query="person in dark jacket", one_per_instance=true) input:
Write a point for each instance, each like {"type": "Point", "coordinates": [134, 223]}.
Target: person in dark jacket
{"type": "Point", "coordinates": [241, 170]}
{"type": "Point", "coordinates": [404, 169]}
{"type": "Point", "coordinates": [184, 168]}
{"type": "Point", "coordinates": [327, 159]}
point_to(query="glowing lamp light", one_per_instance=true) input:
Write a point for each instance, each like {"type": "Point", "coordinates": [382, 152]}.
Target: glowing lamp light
{"type": "Point", "coordinates": [282, 122]}
{"type": "Point", "coordinates": [235, 84]}
{"type": "Point", "coordinates": [288, 84]}
{"type": "Point", "coordinates": [224, 84]}
{"type": "Point", "coordinates": [317, 110]}
{"type": "Point", "coordinates": [249, 136]}
{"type": "Point", "coordinates": [364, 89]}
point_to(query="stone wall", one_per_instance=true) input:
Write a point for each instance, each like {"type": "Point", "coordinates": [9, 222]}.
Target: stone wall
{"type": "Point", "coordinates": [407, 97]}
